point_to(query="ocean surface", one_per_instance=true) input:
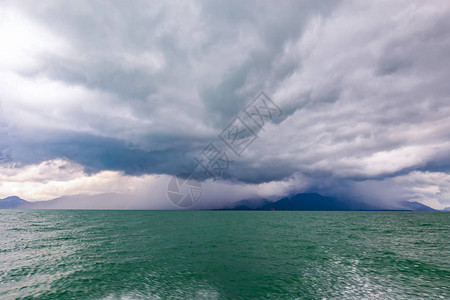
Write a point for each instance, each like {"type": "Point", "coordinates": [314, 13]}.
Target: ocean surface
{"type": "Point", "coordinates": [224, 255]}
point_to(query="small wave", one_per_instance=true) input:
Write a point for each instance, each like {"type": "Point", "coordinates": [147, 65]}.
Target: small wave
{"type": "Point", "coordinates": [138, 295]}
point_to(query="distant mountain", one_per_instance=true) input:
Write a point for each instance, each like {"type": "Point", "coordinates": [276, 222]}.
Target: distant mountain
{"type": "Point", "coordinates": [314, 201]}
{"type": "Point", "coordinates": [303, 201]}
{"type": "Point", "coordinates": [12, 202]}
{"type": "Point", "coordinates": [100, 201]}
{"type": "Point", "coordinates": [317, 202]}
{"type": "Point", "coordinates": [416, 206]}
{"type": "Point", "coordinates": [446, 209]}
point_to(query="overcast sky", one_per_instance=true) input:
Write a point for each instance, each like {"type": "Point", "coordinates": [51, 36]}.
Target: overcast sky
{"type": "Point", "coordinates": [117, 96]}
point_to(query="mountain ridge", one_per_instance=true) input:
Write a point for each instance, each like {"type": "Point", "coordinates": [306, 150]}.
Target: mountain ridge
{"type": "Point", "coordinates": [317, 202]}
{"type": "Point", "coordinates": [295, 202]}
{"type": "Point", "coordinates": [12, 202]}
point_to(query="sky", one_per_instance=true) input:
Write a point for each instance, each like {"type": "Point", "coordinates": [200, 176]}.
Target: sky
{"type": "Point", "coordinates": [118, 97]}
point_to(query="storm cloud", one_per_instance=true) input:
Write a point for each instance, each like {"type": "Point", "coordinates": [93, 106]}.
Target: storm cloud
{"type": "Point", "coordinates": [139, 88]}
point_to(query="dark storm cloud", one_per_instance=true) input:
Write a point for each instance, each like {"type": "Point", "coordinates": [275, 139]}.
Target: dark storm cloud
{"type": "Point", "coordinates": [161, 60]}
{"type": "Point", "coordinates": [101, 153]}
{"type": "Point", "coordinates": [141, 87]}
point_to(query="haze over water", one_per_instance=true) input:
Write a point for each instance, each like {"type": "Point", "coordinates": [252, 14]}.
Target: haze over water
{"type": "Point", "coordinates": [224, 255]}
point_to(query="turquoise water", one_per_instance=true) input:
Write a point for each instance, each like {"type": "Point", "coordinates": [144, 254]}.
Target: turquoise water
{"type": "Point", "coordinates": [224, 255]}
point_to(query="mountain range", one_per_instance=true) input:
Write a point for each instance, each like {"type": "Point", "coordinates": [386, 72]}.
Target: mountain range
{"type": "Point", "coordinates": [317, 202]}
{"type": "Point", "coordinates": [101, 201]}
{"type": "Point", "coordinates": [296, 202]}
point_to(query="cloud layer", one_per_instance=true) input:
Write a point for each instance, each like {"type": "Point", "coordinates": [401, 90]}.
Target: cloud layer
{"type": "Point", "coordinates": [124, 93]}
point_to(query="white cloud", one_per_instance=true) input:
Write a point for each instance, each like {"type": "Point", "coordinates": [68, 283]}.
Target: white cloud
{"type": "Point", "coordinates": [23, 41]}
{"type": "Point", "coordinates": [51, 179]}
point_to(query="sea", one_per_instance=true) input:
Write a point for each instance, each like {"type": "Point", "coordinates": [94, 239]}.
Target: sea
{"type": "Point", "coordinates": [93, 254]}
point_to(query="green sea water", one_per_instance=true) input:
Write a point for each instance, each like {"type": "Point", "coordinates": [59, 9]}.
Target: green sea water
{"type": "Point", "coordinates": [224, 255]}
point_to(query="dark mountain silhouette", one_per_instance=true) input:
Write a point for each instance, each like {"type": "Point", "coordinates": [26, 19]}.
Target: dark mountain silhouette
{"type": "Point", "coordinates": [313, 201]}
{"type": "Point", "coordinates": [317, 202]}
{"type": "Point", "coordinates": [12, 202]}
